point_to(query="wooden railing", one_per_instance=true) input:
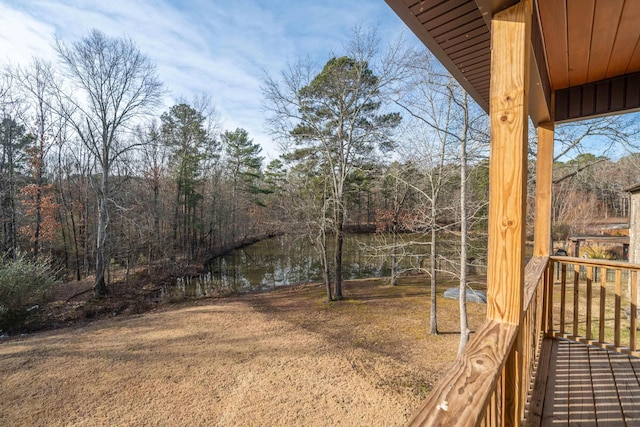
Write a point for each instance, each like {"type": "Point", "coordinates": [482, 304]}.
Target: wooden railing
{"type": "Point", "coordinates": [595, 302]}
{"type": "Point", "coordinates": [477, 391]}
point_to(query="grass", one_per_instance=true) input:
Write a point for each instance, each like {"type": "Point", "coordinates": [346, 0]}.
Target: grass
{"type": "Point", "coordinates": [285, 357]}
{"type": "Point", "coordinates": [379, 317]}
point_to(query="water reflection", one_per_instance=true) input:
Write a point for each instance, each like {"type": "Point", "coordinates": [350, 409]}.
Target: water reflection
{"type": "Point", "coordinates": [288, 260]}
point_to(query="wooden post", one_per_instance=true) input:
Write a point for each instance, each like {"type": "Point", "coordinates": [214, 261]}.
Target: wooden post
{"type": "Point", "coordinates": [634, 235]}
{"type": "Point", "coordinates": [544, 181]}
{"type": "Point", "coordinates": [542, 242]}
{"type": "Point", "coordinates": [508, 111]}
{"type": "Point", "coordinates": [508, 162]}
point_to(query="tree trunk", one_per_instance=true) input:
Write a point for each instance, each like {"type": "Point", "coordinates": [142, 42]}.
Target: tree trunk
{"type": "Point", "coordinates": [76, 248]}
{"type": "Point", "coordinates": [100, 287]}
{"type": "Point", "coordinates": [153, 241]}
{"type": "Point", "coordinates": [36, 234]}
{"type": "Point", "coordinates": [325, 266]}
{"type": "Point", "coordinates": [39, 172]}
{"type": "Point", "coordinates": [464, 324]}
{"type": "Point", "coordinates": [85, 222]}
{"type": "Point", "coordinates": [174, 223]}
{"type": "Point", "coordinates": [9, 204]}
{"type": "Point", "coordinates": [339, 240]}
{"type": "Point", "coordinates": [394, 255]}
{"type": "Point", "coordinates": [63, 222]}
{"type": "Point", "coordinates": [433, 323]}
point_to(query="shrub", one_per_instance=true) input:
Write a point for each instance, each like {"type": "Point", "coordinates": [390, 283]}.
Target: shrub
{"type": "Point", "coordinates": [560, 231]}
{"type": "Point", "coordinates": [598, 252]}
{"type": "Point", "coordinates": [23, 284]}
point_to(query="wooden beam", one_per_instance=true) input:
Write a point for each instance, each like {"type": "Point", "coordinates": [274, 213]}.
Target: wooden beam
{"type": "Point", "coordinates": [540, 96]}
{"type": "Point", "coordinates": [508, 112]}
{"type": "Point", "coordinates": [553, 17]}
{"type": "Point", "coordinates": [544, 171]}
{"type": "Point", "coordinates": [508, 162]}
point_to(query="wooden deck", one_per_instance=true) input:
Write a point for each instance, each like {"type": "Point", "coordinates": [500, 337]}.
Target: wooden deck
{"type": "Point", "coordinates": [585, 386]}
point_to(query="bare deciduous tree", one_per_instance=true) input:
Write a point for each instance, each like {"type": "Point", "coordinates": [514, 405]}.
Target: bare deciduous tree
{"type": "Point", "coordinates": [110, 85]}
{"type": "Point", "coordinates": [37, 82]}
{"type": "Point", "coordinates": [434, 100]}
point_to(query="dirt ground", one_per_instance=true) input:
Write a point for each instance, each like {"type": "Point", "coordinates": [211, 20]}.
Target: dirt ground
{"type": "Point", "coordinates": [279, 358]}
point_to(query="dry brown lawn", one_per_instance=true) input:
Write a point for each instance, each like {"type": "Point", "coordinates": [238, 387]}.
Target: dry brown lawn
{"type": "Point", "coordinates": [278, 358]}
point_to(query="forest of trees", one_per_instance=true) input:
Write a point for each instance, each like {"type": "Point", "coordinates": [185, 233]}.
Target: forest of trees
{"type": "Point", "coordinates": [96, 173]}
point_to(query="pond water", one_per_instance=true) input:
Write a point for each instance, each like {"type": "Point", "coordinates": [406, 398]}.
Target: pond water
{"type": "Point", "coordinates": [290, 260]}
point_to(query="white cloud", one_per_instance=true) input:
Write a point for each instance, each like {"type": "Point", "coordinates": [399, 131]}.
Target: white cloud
{"type": "Point", "coordinates": [22, 37]}
{"type": "Point", "coordinates": [216, 47]}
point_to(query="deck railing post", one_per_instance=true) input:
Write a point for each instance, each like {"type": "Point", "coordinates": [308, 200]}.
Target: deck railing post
{"type": "Point", "coordinates": [549, 298]}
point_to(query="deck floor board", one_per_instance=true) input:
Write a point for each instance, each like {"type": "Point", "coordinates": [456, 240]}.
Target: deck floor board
{"type": "Point", "coordinates": [607, 405]}
{"type": "Point", "coordinates": [590, 387]}
{"type": "Point", "coordinates": [628, 387]}
{"type": "Point", "coordinates": [581, 400]}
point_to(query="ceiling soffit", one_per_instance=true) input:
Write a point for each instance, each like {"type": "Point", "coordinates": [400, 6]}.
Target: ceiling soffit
{"type": "Point", "coordinates": [585, 50]}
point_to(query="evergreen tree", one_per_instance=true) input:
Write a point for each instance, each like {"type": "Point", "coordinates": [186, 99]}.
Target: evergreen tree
{"type": "Point", "coordinates": [245, 172]}
{"type": "Point", "coordinates": [340, 118]}
{"type": "Point", "coordinates": [184, 133]}
{"type": "Point", "coordinates": [13, 147]}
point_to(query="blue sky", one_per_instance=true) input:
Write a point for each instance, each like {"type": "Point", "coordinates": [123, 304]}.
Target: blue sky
{"type": "Point", "coordinates": [217, 47]}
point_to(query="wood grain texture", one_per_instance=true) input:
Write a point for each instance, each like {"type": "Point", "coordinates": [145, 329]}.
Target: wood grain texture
{"type": "Point", "coordinates": [476, 387]}
{"type": "Point", "coordinates": [547, 411]}
{"type": "Point", "coordinates": [544, 184]}
{"type": "Point", "coordinates": [576, 298]}
{"type": "Point", "coordinates": [596, 262]}
{"type": "Point", "coordinates": [533, 273]}
{"type": "Point", "coordinates": [460, 397]}
{"type": "Point", "coordinates": [617, 309]}
{"type": "Point", "coordinates": [563, 296]}
{"type": "Point", "coordinates": [553, 17]}
{"type": "Point", "coordinates": [537, 399]}
{"type": "Point", "coordinates": [628, 388]}
{"type": "Point", "coordinates": [626, 41]}
{"type": "Point", "coordinates": [605, 395]}
{"type": "Point", "coordinates": [603, 301]}
{"type": "Point", "coordinates": [633, 310]}
{"type": "Point", "coordinates": [579, 34]}
{"type": "Point", "coordinates": [589, 303]}
{"type": "Point", "coordinates": [606, 13]}
{"type": "Point", "coordinates": [634, 62]}
{"type": "Point", "coordinates": [511, 41]}
{"type": "Point", "coordinates": [587, 386]}
{"type": "Point", "coordinates": [549, 287]}
{"type": "Point", "coordinates": [581, 401]}
{"type": "Point", "coordinates": [508, 112]}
